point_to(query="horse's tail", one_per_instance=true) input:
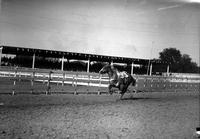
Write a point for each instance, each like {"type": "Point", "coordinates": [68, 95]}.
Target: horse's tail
{"type": "Point", "coordinates": [133, 82]}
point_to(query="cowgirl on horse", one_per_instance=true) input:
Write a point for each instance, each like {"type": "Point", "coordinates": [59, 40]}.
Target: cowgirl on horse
{"type": "Point", "coordinates": [120, 80]}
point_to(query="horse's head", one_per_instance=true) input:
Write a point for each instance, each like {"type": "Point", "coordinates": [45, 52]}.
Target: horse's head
{"type": "Point", "coordinates": [106, 69]}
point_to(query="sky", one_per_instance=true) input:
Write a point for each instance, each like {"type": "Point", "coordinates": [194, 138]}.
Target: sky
{"type": "Point", "coordinates": [127, 28]}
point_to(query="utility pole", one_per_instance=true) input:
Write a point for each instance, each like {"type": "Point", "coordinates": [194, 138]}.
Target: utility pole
{"type": "Point", "coordinates": [1, 48]}
{"type": "Point", "coordinates": [150, 58]}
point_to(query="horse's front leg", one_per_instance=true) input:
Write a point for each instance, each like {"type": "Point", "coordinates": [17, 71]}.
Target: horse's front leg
{"type": "Point", "coordinates": [123, 89]}
{"type": "Point", "coordinates": [109, 89]}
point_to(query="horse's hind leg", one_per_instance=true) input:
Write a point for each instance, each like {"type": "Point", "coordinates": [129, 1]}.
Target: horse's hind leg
{"type": "Point", "coordinates": [122, 94]}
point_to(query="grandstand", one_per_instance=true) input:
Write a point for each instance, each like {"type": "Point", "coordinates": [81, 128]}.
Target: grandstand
{"type": "Point", "coordinates": [88, 58]}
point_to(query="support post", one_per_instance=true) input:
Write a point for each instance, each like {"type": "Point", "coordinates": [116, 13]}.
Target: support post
{"type": "Point", "coordinates": [0, 54]}
{"type": "Point", "coordinates": [88, 66]}
{"type": "Point", "coordinates": [132, 68]}
{"type": "Point", "coordinates": [62, 65]}
{"type": "Point", "coordinates": [167, 70]}
{"type": "Point", "coordinates": [33, 63]}
{"type": "Point", "coordinates": [151, 66]}
{"type": "Point", "coordinates": [111, 63]}
{"type": "Point", "coordinates": [148, 67]}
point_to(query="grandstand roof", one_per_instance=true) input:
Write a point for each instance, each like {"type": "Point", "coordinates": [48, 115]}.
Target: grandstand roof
{"type": "Point", "coordinates": [73, 55]}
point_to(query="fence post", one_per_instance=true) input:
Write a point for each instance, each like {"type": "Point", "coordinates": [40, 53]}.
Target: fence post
{"type": "Point", "coordinates": [99, 89]}
{"type": "Point", "coordinates": [75, 80]}
{"type": "Point", "coordinates": [145, 80]}
{"type": "Point", "coordinates": [152, 83]}
{"type": "Point", "coordinates": [136, 85]}
{"type": "Point", "coordinates": [48, 83]}
{"type": "Point", "coordinates": [19, 76]}
{"type": "Point", "coordinates": [175, 85]}
{"type": "Point", "coordinates": [187, 84]}
{"type": "Point", "coordinates": [63, 79]}
{"type": "Point", "coordinates": [14, 83]}
{"type": "Point", "coordinates": [88, 84]}
{"type": "Point", "coordinates": [164, 86]}
{"type": "Point", "coordinates": [32, 81]}
{"type": "Point", "coordinates": [43, 78]}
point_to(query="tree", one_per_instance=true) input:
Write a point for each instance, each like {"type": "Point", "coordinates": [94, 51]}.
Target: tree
{"type": "Point", "coordinates": [178, 62]}
{"type": "Point", "coordinates": [171, 56]}
{"type": "Point", "coordinates": [187, 65]}
{"type": "Point", "coordinates": [185, 62]}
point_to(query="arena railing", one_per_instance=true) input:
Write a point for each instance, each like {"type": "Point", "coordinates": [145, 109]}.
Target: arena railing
{"type": "Point", "coordinates": [35, 81]}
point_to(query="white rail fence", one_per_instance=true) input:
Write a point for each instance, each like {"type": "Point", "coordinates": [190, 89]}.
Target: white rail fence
{"type": "Point", "coordinates": [38, 81]}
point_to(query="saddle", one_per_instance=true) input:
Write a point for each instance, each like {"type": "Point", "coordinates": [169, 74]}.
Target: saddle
{"type": "Point", "coordinates": [122, 76]}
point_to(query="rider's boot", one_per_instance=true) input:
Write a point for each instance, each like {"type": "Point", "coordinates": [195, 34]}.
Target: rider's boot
{"type": "Point", "coordinates": [117, 84]}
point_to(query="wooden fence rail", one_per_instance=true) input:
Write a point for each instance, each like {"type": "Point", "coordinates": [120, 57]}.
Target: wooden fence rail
{"type": "Point", "coordinates": [16, 81]}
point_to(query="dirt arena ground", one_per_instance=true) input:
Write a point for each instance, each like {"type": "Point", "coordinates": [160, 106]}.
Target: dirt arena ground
{"type": "Point", "coordinates": [138, 116]}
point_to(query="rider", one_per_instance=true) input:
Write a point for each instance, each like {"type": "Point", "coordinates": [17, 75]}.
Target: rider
{"type": "Point", "coordinates": [118, 78]}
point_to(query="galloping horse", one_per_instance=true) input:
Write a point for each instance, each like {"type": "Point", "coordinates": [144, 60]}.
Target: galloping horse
{"type": "Point", "coordinates": [120, 80]}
